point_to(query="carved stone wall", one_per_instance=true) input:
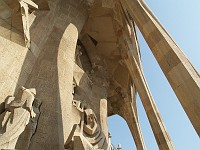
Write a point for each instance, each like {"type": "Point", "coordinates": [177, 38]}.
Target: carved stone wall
{"type": "Point", "coordinates": [91, 89]}
{"type": "Point", "coordinates": [53, 77]}
{"type": "Point", "coordinates": [53, 62]}
{"type": "Point", "coordinates": [40, 67]}
{"type": "Point", "coordinates": [17, 61]}
{"type": "Point", "coordinates": [84, 51]}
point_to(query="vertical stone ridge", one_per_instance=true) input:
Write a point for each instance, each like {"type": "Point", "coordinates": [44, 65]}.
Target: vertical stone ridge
{"type": "Point", "coordinates": [129, 114]}
{"type": "Point", "coordinates": [163, 140]}
{"type": "Point", "coordinates": [182, 76]}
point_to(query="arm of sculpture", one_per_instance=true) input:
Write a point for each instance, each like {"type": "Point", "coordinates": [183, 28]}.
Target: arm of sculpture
{"type": "Point", "coordinates": [77, 105]}
{"type": "Point", "coordinates": [90, 129]}
{"type": "Point", "coordinates": [29, 106]}
{"type": "Point", "coordinates": [33, 114]}
{"type": "Point", "coordinates": [29, 2]}
{"type": "Point", "coordinates": [15, 104]}
{"type": "Point", "coordinates": [8, 102]}
{"type": "Point", "coordinates": [28, 97]}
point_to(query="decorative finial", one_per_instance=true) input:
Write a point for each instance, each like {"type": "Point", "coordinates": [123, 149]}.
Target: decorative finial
{"type": "Point", "coordinates": [119, 147]}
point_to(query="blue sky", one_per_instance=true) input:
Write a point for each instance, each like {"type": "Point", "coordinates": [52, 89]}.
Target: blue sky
{"type": "Point", "coordinates": [181, 18]}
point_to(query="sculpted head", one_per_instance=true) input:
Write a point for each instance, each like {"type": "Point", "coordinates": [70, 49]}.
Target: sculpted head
{"type": "Point", "coordinates": [23, 95]}
{"type": "Point", "coordinates": [90, 116]}
{"type": "Point", "coordinates": [20, 92]}
{"type": "Point", "coordinates": [23, 90]}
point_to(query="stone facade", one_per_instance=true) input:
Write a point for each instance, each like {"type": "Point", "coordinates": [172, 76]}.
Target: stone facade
{"type": "Point", "coordinates": [82, 58]}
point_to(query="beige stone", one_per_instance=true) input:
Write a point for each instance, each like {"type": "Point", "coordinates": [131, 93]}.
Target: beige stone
{"type": "Point", "coordinates": [17, 114]}
{"type": "Point", "coordinates": [86, 52]}
{"type": "Point", "coordinates": [170, 58]}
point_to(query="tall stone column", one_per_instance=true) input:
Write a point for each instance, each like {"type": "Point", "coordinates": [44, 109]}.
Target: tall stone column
{"type": "Point", "coordinates": [75, 14]}
{"type": "Point", "coordinates": [52, 77]}
{"type": "Point", "coordinates": [181, 74]}
{"type": "Point", "coordinates": [65, 64]}
{"type": "Point", "coordinates": [128, 113]}
{"type": "Point", "coordinates": [104, 117]}
{"type": "Point", "coordinates": [162, 138]}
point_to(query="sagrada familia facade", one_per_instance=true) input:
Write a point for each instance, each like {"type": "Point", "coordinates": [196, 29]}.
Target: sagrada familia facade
{"type": "Point", "coordinates": [66, 65]}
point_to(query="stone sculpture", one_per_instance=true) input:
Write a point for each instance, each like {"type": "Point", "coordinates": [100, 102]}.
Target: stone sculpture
{"type": "Point", "coordinates": [24, 4]}
{"type": "Point", "coordinates": [94, 44]}
{"type": "Point", "coordinates": [89, 130]}
{"type": "Point", "coordinates": [25, 138]}
{"type": "Point", "coordinates": [18, 111]}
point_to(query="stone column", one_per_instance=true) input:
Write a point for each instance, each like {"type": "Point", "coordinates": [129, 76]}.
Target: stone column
{"type": "Point", "coordinates": [128, 113]}
{"type": "Point", "coordinates": [52, 77]}
{"type": "Point", "coordinates": [104, 117]}
{"type": "Point", "coordinates": [181, 74]}
{"type": "Point", "coordinates": [162, 138]}
{"type": "Point", "coordinates": [71, 18]}
{"type": "Point", "coordinates": [65, 64]}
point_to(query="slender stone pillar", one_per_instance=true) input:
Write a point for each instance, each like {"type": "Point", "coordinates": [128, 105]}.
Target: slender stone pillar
{"type": "Point", "coordinates": [65, 64]}
{"type": "Point", "coordinates": [181, 74]}
{"type": "Point", "coordinates": [53, 79]}
{"type": "Point", "coordinates": [128, 113]}
{"type": "Point", "coordinates": [162, 138]}
{"type": "Point", "coordinates": [104, 117]}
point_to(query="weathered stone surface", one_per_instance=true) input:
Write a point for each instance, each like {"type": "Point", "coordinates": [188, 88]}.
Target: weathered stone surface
{"type": "Point", "coordinates": [88, 133]}
{"type": "Point", "coordinates": [174, 64]}
{"type": "Point", "coordinates": [87, 51]}
{"type": "Point", "coordinates": [17, 114]}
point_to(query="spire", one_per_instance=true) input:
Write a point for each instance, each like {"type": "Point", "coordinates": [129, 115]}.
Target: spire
{"type": "Point", "coordinates": [119, 147]}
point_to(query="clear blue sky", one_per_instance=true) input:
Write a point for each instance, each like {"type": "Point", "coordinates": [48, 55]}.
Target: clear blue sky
{"type": "Point", "coordinates": [181, 18]}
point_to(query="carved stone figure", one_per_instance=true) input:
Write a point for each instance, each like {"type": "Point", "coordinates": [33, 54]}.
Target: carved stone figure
{"type": "Point", "coordinates": [25, 138]}
{"type": "Point", "coordinates": [89, 128]}
{"type": "Point", "coordinates": [18, 111]}
{"type": "Point", "coordinates": [24, 4]}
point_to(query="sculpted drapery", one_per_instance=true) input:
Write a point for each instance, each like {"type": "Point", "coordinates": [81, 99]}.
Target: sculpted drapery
{"type": "Point", "coordinates": [18, 111]}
